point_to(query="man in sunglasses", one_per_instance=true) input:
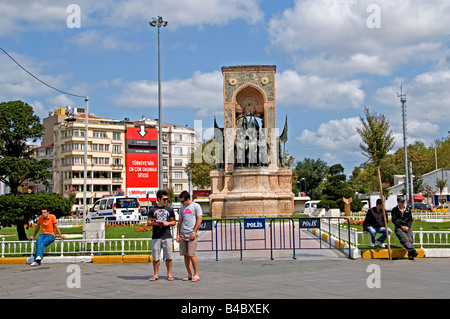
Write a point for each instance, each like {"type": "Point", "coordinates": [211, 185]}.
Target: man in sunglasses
{"type": "Point", "coordinates": [189, 222]}
{"type": "Point", "coordinates": [161, 217]}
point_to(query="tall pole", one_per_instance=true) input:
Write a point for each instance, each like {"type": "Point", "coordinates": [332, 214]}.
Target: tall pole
{"type": "Point", "coordinates": [86, 112]}
{"type": "Point", "coordinates": [403, 100]}
{"type": "Point", "coordinates": [159, 22]}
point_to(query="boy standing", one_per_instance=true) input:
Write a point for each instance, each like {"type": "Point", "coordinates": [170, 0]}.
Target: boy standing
{"type": "Point", "coordinates": [189, 222]}
{"type": "Point", "coordinates": [161, 217]}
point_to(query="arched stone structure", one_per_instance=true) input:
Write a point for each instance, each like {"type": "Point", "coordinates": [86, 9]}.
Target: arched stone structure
{"type": "Point", "coordinates": [250, 190]}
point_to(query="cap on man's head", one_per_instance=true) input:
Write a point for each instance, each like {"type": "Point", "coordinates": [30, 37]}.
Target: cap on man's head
{"type": "Point", "coordinates": [400, 199]}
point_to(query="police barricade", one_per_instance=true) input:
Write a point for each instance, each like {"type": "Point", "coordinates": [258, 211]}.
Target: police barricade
{"type": "Point", "coordinates": [263, 234]}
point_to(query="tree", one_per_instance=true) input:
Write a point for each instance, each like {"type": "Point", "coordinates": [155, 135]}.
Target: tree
{"type": "Point", "coordinates": [200, 170]}
{"type": "Point", "coordinates": [336, 188]}
{"type": "Point", "coordinates": [313, 171]}
{"type": "Point", "coordinates": [18, 126]}
{"type": "Point", "coordinates": [21, 208]}
{"type": "Point", "coordinates": [377, 141]}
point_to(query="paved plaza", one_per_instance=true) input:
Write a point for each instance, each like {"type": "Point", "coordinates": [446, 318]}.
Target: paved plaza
{"type": "Point", "coordinates": [314, 274]}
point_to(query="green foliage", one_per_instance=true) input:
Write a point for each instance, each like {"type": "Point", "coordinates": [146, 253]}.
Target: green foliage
{"type": "Point", "coordinates": [18, 125]}
{"type": "Point", "coordinates": [200, 170]}
{"type": "Point", "coordinates": [336, 188]}
{"type": "Point", "coordinates": [314, 172]}
{"type": "Point", "coordinates": [20, 209]}
{"type": "Point", "coordinates": [376, 136]}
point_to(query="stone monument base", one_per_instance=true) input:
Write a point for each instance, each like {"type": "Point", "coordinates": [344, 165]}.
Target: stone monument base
{"type": "Point", "coordinates": [251, 192]}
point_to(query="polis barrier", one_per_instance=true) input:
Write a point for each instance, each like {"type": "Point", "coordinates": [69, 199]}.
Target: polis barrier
{"type": "Point", "coordinates": [269, 234]}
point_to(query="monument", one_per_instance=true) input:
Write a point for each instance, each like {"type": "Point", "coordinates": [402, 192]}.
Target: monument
{"type": "Point", "coordinates": [251, 180]}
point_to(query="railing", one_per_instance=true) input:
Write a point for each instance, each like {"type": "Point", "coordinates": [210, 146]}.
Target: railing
{"type": "Point", "coordinates": [79, 247]}
{"type": "Point", "coordinates": [423, 215]}
{"type": "Point", "coordinates": [358, 238]}
{"type": "Point", "coordinates": [228, 235]}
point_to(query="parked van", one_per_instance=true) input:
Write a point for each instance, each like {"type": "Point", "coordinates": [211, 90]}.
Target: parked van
{"type": "Point", "coordinates": [310, 206]}
{"type": "Point", "coordinates": [118, 208]}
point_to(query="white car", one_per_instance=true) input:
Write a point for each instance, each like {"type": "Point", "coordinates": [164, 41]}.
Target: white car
{"type": "Point", "coordinates": [118, 208]}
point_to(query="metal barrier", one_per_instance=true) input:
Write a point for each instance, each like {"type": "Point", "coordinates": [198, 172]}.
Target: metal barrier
{"type": "Point", "coordinates": [267, 234]}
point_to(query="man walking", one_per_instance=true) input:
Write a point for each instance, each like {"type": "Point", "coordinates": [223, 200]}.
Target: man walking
{"type": "Point", "coordinates": [189, 222]}
{"type": "Point", "coordinates": [375, 223]}
{"type": "Point", "coordinates": [402, 219]}
{"type": "Point", "coordinates": [47, 222]}
{"type": "Point", "coordinates": [161, 217]}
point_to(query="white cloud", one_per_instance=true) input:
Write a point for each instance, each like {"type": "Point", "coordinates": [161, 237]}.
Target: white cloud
{"type": "Point", "coordinates": [427, 98]}
{"type": "Point", "coordinates": [202, 92]}
{"type": "Point", "coordinates": [334, 37]}
{"type": "Point", "coordinates": [48, 15]}
{"type": "Point", "coordinates": [337, 140]}
{"type": "Point", "coordinates": [314, 92]}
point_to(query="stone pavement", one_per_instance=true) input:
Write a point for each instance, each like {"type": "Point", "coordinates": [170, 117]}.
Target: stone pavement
{"type": "Point", "coordinates": [314, 274]}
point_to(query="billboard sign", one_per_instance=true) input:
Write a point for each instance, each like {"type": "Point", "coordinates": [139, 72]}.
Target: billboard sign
{"type": "Point", "coordinates": [141, 157]}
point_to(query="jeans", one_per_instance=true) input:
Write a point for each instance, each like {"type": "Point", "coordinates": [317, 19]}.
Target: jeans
{"type": "Point", "coordinates": [373, 233]}
{"type": "Point", "coordinates": [41, 243]}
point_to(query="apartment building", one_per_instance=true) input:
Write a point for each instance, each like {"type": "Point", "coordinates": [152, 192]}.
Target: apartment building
{"type": "Point", "coordinates": [63, 144]}
{"type": "Point", "coordinates": [178, 142]}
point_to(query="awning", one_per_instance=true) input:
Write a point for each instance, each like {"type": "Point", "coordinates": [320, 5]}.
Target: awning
{"type": "Point", "coordinates": [418, 197]}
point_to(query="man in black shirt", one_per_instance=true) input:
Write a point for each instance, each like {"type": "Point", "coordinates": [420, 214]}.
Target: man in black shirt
{"type": "Point", "coordinates": [375, 223]}
{"type": "Point", "coordinates": [161, 217]}
{"type": "Point", "coordinates": [402, 219]}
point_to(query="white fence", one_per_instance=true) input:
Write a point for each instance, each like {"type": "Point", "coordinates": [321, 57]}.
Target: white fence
{"type": "Point", "coordinates": [357, 238]}
{"type": "Point", "coordinates": [78, 247]}
{"type": "Point", "coordinates": [424, 216]}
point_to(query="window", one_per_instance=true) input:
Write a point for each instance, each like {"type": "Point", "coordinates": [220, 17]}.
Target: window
{"type": "Point", "coordinates": [178, 175]}
{"type": "Point", "coordinates": [116, 161]}
{"type": "Point", "coordinates": [177, 150]}
{"type": "Point", "coordinates": [178, 187]}
{"type": "Point", "coordinates": [117, 149]}
{"type": "Point", "coordinates": [178, 162]}
{"type": "Point", "coordinates": [165, 162]}
{"type": "Point", "coordinates": [116, 136]}
{"type": "Point", "coordinates": [99, 134]}
{"type": "Point", "coordinates": [95, 147]}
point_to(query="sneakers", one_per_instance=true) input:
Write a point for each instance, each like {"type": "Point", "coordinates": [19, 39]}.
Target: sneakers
{"type": "Point", "coordinates": [377, 243]}
{"type": "Point", "coordinates": [35, 264]}
{"type": "Point", "coordinates": [38, 258]}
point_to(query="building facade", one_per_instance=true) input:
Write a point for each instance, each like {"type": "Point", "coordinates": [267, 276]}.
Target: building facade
{"type": "Point", "coordinates": [63, 144]}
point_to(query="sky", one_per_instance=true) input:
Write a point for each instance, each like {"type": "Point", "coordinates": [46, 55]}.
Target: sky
{"type": "Point", "coordinates": [333, 58]}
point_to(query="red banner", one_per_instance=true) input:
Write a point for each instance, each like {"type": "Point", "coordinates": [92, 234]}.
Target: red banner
{"type": "Point", "coordinates": [141, 158]}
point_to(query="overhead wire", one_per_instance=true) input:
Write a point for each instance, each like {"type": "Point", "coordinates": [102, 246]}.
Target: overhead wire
{"type": "Point", "coordinates": [35, 77]}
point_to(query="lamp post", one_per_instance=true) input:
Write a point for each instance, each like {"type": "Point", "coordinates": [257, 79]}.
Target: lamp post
{"type": "Point", "coordinates": [158, 23]}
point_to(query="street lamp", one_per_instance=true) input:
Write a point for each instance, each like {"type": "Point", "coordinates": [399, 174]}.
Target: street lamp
{"type": "Point", "coordinates": [304, 179]}
{"type": "Point", "coordinates": [158, 23]}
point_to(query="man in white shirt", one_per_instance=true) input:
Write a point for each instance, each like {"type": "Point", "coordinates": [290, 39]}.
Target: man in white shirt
{"type": "Point", "coordinates": [189, 222]}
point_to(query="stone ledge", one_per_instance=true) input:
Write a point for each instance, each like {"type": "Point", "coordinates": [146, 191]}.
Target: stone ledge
{"type": "Point", "coordinates": [383, 253]}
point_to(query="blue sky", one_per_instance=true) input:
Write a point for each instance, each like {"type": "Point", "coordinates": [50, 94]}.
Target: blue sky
{"type": "Point", "coordinates": [332, 57]}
